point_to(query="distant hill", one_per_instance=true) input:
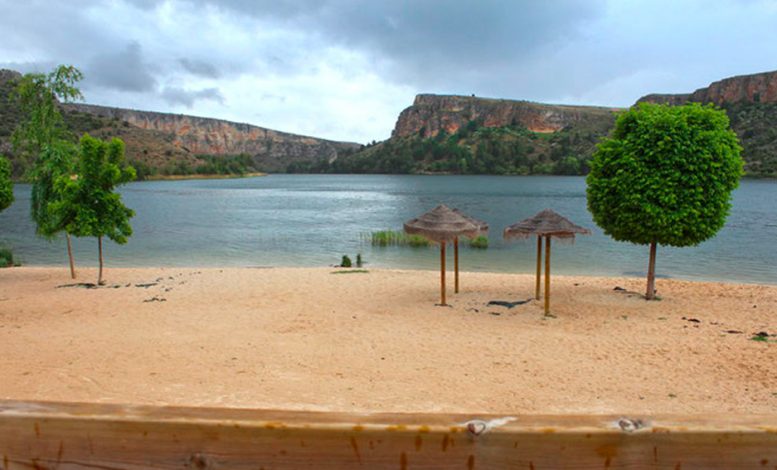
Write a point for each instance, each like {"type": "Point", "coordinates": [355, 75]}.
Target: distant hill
{"type": "Point", "coordinates": [465, 134]}
{"type": "Point", "coordinates": [174, 144]}
{"type": "Point", "coordinates": [437, 134]}
{"type": "Point", "coordinates": [469, 135]}
{"type": "Point", "coordinates": [751, 104]}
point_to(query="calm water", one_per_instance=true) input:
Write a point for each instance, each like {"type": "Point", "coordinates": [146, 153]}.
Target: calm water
{"type": "Point", "coordinates": [312, 220]}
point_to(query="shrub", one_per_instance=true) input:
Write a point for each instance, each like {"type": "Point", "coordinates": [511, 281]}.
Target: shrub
{"type": "Point", "coordinates": [480, 242]}
{"type": "Point", "coordinates": [6, 258]}
{"type": "Point", "coordinates": [346, 262]}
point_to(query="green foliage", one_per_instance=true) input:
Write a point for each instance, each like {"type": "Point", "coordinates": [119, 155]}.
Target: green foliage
{"type": "Point", "coordinates": [6, 185]}
{"type": "Point", "coordinates": [756, 126]}
{"type": "Point", "coordinates": [397, 238]}
{"type": "Point", "coordinates": [359, 261]}
{"type": "Point", "coordinates": [345, 262]}
{"type": "Point", "coordinates": [665, 175]}
{"type": "Point", "coordinates": [475, 149]}
{"type": "Point", "coordinates": [480, 242]}
{"type": "Point", "coordinates": [54, 161]}
{"type": "Point", "coordinates": [6, 258]}
{"type": "Point", "coordinates": [87, 202]}
{"type": "Point", "coordinates": [37, 96]}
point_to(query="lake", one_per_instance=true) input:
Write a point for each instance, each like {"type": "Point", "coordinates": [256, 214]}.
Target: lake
{"type": "Point", "coordinates": [312, 220]}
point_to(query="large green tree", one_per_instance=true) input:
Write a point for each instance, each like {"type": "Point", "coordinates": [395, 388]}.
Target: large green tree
{"type": "Point", "coordinates": [87, 201]}
{"type": "Point", "coordinates": [6, 185]}
{"type": "Point", "coordinates": [41, 138]}
{"type": "Point", "coordinates": [665, 177]}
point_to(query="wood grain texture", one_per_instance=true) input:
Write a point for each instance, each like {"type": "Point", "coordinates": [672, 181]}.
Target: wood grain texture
{"type": "Point", "coordinates": [95, 436]}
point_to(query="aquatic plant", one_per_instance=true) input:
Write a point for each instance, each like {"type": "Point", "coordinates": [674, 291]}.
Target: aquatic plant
{"type": "Point", "coordinates": [397, 238]}
{"type": "Point", "coordinates": [479, 242]}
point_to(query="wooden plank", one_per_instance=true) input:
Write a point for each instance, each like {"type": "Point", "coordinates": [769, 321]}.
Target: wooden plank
{"type": "Point", "coordinates": [80, 436]}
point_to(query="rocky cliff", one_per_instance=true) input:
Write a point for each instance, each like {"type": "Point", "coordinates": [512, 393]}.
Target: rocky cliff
{"type": "Point", "coordinates": [756, 88]}
{"type": "Point", "coordinates": [197, 135]}
{"type": "Point", "coordinates": [431, 114]}
{"type": "Point", "coordinates": [170, 143]}
{"type": "Point", "coordinates": [469, 135]}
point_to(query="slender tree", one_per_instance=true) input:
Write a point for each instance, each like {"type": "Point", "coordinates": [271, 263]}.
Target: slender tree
{"type": "Point", "coordinates": [665, 177]}
{"type": "Point", "coordinates": [86, 200]}
{"type": "Point", "coordinates": [41, 138]}
{"type": "Point", "coordinates": [6, 185]}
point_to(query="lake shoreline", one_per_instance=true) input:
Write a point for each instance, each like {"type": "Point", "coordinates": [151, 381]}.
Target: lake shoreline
{"type": "Point", "coordinates": [305, 339]}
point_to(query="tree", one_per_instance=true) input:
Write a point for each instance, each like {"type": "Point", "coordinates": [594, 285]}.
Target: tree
{"type": "Point", "coordinates": [665, 177]}
{"type": "Point", "coordinates": [41, 137]}
{"type": "Point", "coordinates": [6, 185]}
{"type": "Point", "coordinates": [86, 201]}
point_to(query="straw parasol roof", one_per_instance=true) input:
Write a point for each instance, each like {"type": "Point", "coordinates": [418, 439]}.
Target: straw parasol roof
{"type": "Point", "coordinates": [546, 223]}
{"type": "Point", "coordinates": [482, 226]}
{"type": "Point", "coordinates": [442, 224]}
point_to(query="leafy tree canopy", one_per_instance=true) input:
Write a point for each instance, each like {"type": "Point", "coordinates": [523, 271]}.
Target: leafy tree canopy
{"type": "Point", "coordinates": [665, 175]}
{"type": "Point", "coordinates": [6, 185]}
{"type": "Point", "coordinates": [37, 96]}
{"type": "Point", "coordinates": [87, 201]}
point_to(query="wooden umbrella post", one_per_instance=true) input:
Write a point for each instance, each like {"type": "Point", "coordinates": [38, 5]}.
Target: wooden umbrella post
{"type": "Point", "coordinates": [539, 267]}
{"type": "Point", "coordinates": [442, 273]}
{"type": "Point", "coordinates": [456, 263]}
{"type": "Point", "coordinates": [547, 275]}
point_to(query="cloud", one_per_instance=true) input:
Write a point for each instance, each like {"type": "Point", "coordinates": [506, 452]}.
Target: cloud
{"type": "Point", "coordinates": [124, 70]}
{"type": "Point", "coordinates": [346, 68]}
{"type": "Point", "coordinates": [174, 95]}
{"type": "Point", "coordinates": [200, 68]}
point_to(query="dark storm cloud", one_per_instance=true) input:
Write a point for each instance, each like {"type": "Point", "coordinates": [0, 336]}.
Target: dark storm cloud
{"type": "Point", "coordinates": [176, 95]}
{"type": "Point", "coordinates": [123, 70]}
{"type": "Point", "coordinates": [434, 41]}
{"type": "Point", "coordinates": [199, 68]}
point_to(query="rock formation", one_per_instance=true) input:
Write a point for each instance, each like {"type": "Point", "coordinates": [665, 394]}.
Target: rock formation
{"type": "Point", "coordinates": [431, 114]}
{"type": "Point", "coordinates": [197, 135]}
{"type": "Point", "coordinates": [162, 141]}
{"type": "Point", "coordinates": [756, 88]}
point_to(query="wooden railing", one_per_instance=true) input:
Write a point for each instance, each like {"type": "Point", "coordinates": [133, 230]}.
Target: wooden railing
{"type": "Point", "coordinates": [99, 436]}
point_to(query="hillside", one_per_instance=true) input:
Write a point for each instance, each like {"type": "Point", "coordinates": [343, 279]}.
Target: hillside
{"type": "Point", "coordinates": [173, 144]}
{"type": "Point", "coordinates": [469, 135]}
{"type": "Point", "coordinates": [751, 104]}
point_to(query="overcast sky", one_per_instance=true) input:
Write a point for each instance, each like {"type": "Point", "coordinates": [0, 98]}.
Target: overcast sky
{"type": "Point", "coordinates": [344, 69]}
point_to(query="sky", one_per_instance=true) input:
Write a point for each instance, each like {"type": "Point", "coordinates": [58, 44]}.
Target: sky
{"type": "Point", "coordinates": [345, 69]}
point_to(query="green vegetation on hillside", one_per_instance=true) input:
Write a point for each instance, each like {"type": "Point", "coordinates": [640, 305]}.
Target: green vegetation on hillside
{"type": "Point", "coordinates": [756, 126]}
{"type": "Point", "coordinates": [475, 149]}
{"type": "Point", "coordinates": [203, 165]}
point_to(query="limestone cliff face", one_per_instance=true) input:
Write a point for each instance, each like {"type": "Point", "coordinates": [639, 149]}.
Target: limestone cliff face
{"type": "Point", "coordinates": [197, 135]}
{"type": "Point", "coordinates": [431, 114]}
{"type": "Point", "coordinates": [756, 88]}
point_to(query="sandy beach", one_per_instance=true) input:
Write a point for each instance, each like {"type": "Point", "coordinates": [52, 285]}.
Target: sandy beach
{"type": "Point", "coordinates": [308, 339]}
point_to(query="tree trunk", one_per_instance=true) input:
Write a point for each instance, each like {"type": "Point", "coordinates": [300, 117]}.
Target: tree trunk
{"type": "Point", "coordinates": [539, 268]}
{"type": "Point", "coordinates": [651, 274]}
{"type": "Point", "coordinates": [442, 273]}
{"type": "Point", "coordinates": [547, 275]}
{"type": "Point", "coordinates": [70, 256]}
{"type": "Point", "coordinates": [456, 263]}
{"type": "Point", "coordinates": [100, 281]}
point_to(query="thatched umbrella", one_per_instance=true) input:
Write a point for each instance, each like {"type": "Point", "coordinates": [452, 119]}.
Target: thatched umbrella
{"type": "Point", "coordinates": [482, 229]}
{"type": "Point", "coordinates": [546, 224]}
{"type": "Point", "coordinates": [441, 225]}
